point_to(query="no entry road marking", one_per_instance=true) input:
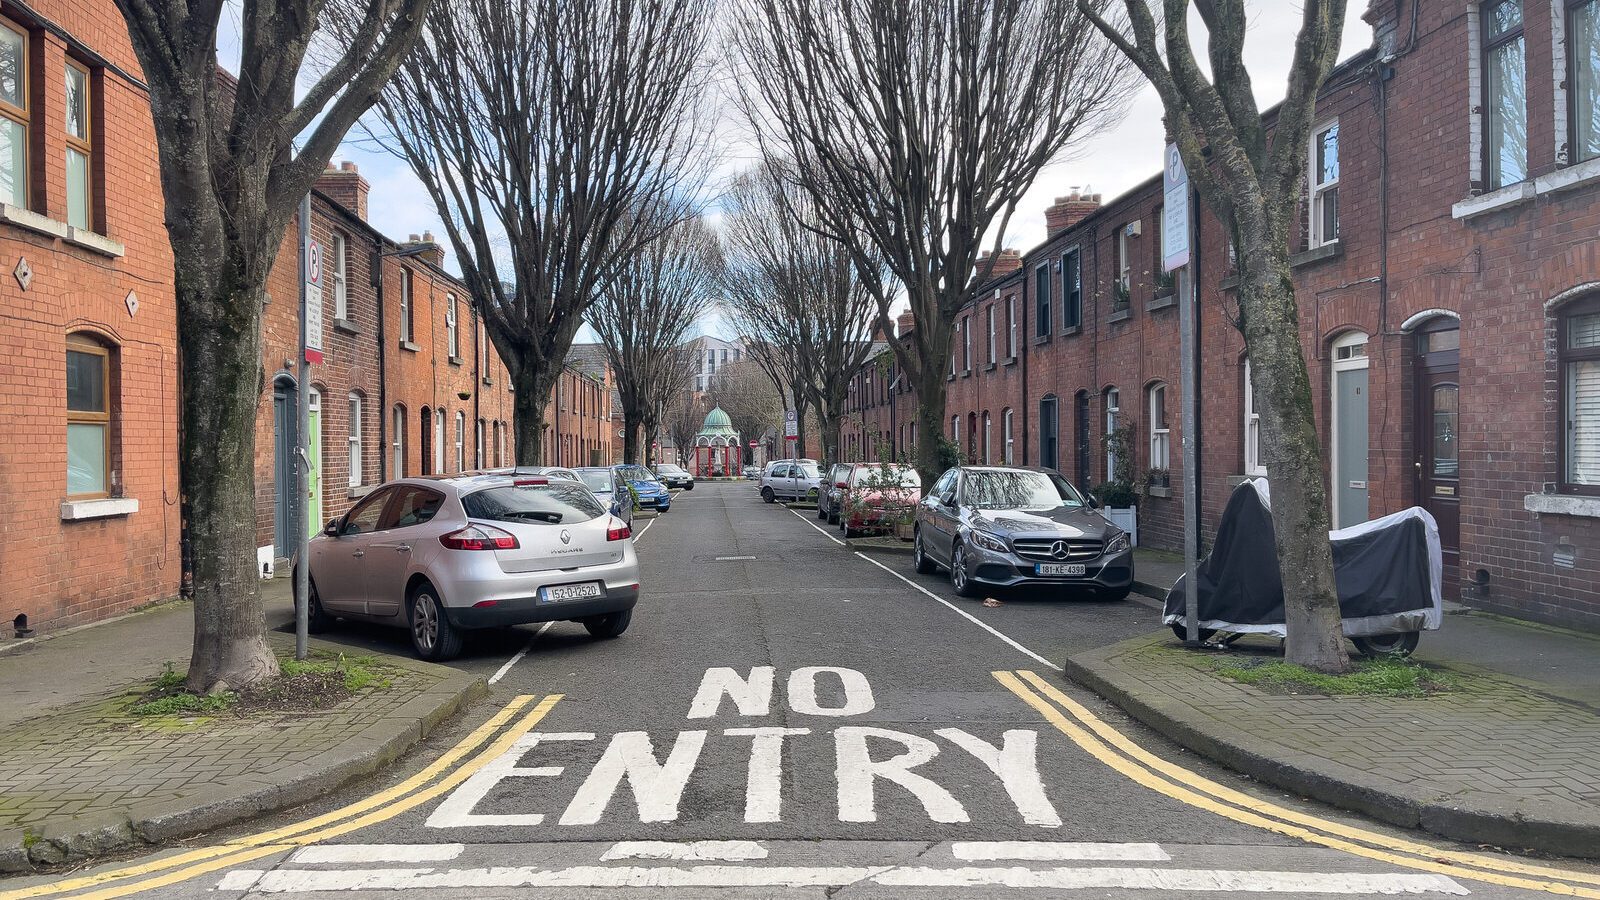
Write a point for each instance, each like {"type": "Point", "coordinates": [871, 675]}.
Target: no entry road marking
{"type": "Point", "coordinates": [731, 558]}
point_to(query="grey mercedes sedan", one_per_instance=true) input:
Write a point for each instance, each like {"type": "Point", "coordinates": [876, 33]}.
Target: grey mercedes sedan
{"type": "Point", "coordinates": [996, 526]}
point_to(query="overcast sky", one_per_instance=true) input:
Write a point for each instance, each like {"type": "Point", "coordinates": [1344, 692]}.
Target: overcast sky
{"type": "Point", "coordinates": [1109, 162]}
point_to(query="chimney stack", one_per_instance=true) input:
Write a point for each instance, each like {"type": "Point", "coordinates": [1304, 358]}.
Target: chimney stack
{"type": "Point", "coordinates": [433, 252]}
{"type": "Point", "coordinates": [345, 186]}
{"type": "Point", "coordinates": [906, 322]}
{"type": "Point", "coordinates": [1007, 262]}
{"type": "Point", "coordinates": [1069, 211]}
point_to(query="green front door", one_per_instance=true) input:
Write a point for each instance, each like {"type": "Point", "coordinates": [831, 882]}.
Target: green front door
{"type": "Point", "coordinates": [314, 459]}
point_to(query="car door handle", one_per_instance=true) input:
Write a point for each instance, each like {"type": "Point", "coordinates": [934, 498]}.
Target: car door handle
{"type": "Point", "coordinates": [359, 553]}
{"type": "Point", "coordinates": [403, 548]}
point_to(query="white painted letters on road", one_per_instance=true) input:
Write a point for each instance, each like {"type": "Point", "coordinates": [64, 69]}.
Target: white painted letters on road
{"type": "Point", "coordinates": [803, 692]}
{"type": "Point", "coordinates": [456, 810]}
{"type": "Point", "coordinates": [656, 786]}
{"type": "Point", "coordinates": [1016, 764]}
{"type": "Point", "coordinates": [857, 772]}
{"type": "Point", "coordinates": [763, 794]}
{"type": "Point", "coordinates": [752, 696]}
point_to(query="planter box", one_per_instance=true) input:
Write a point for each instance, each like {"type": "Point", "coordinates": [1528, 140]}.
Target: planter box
{"type": "Point", "coordinates": [905, 531]}
{"type": "Point", "coordinates": [1126, 518]}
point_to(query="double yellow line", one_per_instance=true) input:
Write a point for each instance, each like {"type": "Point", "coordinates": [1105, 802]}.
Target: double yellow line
{"type": "Point", "coordinates": [408, 794]}
{"type": "Point", "coordinates": [1116, 750]}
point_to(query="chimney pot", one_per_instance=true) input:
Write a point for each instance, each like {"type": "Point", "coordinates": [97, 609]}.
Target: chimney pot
{"type": "Point", "coordinates": [348, 166]}
{"type": "Point", "coordinates": [1068, 211]}
{"type": "Point", "coordinates": [344, 185]}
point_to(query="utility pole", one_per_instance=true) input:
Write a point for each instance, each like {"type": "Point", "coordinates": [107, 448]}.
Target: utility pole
{"type": "Point", "coordinates": [310, 351]}
{"type": "Point", "coordinates": [1176, 225]}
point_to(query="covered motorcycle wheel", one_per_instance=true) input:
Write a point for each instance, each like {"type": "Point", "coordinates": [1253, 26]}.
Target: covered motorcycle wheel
{"type": "Point", "coordinates": [1380, 645]}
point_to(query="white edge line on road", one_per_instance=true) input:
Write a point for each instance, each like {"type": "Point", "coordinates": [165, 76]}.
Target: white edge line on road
{"type": "Point", "coordinates": [962, 613]}
{"type": "Point", "coordinates": [646, 527]}
{"type": "Point", "coordinates": [819, 530]}
{"type": "Point", "coordinates": [520, 654]}
{"type": "Point", "coordinates": [370, 853]}
{"type": "Point", "coordinates": [1057, 850]}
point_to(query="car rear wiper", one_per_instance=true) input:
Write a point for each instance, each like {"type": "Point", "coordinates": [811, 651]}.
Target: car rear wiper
{"type": "Point", "coordinates": [554, 518]}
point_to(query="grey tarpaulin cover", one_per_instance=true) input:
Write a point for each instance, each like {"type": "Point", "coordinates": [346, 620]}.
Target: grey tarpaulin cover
{"type": "Point", "coordinates": [1388, 572]}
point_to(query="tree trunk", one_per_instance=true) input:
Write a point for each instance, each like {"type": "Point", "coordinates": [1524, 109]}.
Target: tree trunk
{"type": "Point", "coordinates": [220, 341]}
{"type": "Point", "coordinates": [1292, 452]}
{"type": "Point", "coordinates": [830, 414]}
{"type": "Point", "coordinates": [527, 413]}
{"type": "Point", "coordinates": [630, 438]}
{"type": "Point", "coordinates": [930, 422]}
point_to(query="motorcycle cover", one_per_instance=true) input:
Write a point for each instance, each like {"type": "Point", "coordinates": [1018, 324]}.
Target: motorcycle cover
{"type": "Point", "coordinates": [1388, 572]}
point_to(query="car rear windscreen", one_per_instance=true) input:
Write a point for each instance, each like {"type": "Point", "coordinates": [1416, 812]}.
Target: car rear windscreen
{"type": "Point", "coordinates": [554, 504]}
{"type": "Point", "coordinates": [596, 481]}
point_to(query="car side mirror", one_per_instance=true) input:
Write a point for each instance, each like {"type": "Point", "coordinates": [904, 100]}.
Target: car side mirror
{"type": "Point", "coordinates": [948, 499]}
{"type": "Point", "coordinates": [1093, 503]}
{"type": "Point", "coordinates": [332, 528]}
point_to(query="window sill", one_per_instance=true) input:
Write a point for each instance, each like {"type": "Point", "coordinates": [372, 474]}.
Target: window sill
{"type": "Point", "coordinates": [967, 372]}
{"type": "Point", "coordinates": [1155, 490]}
{"type": "Point", "coordinates": [1562, 505]}
{"type": "Point", "coordinates": [360, 490]}
{"type": "Point", "coordinates": [1573, 176]}
{"type": "Point", "coordinates": [346, 326]}
{"type": "Point", "coordinates": [1166, 302]}
{"type": "Point", "coordinates": [104, 508]}
{"type": "Point", "coordinates": [407, 345]}
{"type": "Point", "coordinates": [1040, 339]}
{"type": "Point", "coordinates": [455, 360]}
{"type": "Point", "coordinates": [27, 218]}
{"type": "Point", "coordinates": [1072, 330]}
{"type": "Point", "coordinates": [488, 381]}
{"type": "Point", "coordinates": [1121, 315]}
{"type": "Point", "coordinates": [989, 367]}
{"type": "Point", "coordinates": [1010, 360]}
{"type": "Point", "coordinates": [1506, 197]}
{"type": "Point", "coordinates": [95, 243]}
{"type": "Point", "coordinates": [1330, 250]}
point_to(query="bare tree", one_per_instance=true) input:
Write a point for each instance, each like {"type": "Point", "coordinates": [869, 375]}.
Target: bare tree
{"type": "Point", "coordinates": [794, 291]}
{"type": "Point", "coordinates": [1251, 179]}
{"type": "Point", "coordinates": [916, 128]}
{"type": "Point", "coordinates": [236, 159]}
{"type": "Point", "coordinates": [686, 412]}
{"type": "Point", "coordinates": [643, 315]}
{"type": "Point", "coordinates": [749, 397]}
{"type": "Point", "coordinates": [555, 139]}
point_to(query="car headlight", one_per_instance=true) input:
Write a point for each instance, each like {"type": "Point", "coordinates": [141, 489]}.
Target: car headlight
{"type": "Point", "coordinates": [1117, 544]}
{"type": "Point", "coordinates": [988, 541]}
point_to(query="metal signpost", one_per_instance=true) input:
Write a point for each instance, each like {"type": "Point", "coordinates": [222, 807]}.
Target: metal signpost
{"type": "Point", "coordinates": [791, 432]}
{"type": "Point", "coordinates": [310, 352]}
{"type": "Point", "coordinates": [1175, 233]}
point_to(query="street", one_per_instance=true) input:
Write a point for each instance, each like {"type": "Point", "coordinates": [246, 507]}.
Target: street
{"type": "Point", "coordinates": [788, 718]}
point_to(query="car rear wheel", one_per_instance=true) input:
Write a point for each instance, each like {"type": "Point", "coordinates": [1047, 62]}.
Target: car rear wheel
{"type": "Point", "coordinates": [432, 635]}
{"type": "Point", "coordinates": [317, 618]}
{"type": "Point", "coordinates": [822, 513]}
{"type": "Point", "coordinates": [959, 579]}
{"type": "Point", "coordinates": [919, 557]}
{"type": "Point", "coordinates": [768, 495]}
{"type": "Point", "coordinates": [610, 625]}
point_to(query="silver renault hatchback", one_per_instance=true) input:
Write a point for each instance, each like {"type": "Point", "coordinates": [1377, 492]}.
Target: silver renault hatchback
{"type": "Point", "coordinates": [442, 556]}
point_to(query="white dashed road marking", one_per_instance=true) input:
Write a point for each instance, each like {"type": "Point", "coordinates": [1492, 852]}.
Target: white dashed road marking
{"type": "Point", "coordinates": [1046, 851]}
{"type": "Point", "coordinates": [372, 853]}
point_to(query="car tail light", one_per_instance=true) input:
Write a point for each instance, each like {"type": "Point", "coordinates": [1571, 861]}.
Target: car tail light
{"type": "Point", "coordinates": [619, 531]}
{"type": "Point", "coordinates": [840, 484]}
{"type": "Point", "coordinates": [479, 537]}
{"type": "Point", "coordinates": [531, 482]}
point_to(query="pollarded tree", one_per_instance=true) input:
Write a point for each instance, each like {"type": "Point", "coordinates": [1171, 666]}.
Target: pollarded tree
{"type": "Point", "coordinates": [793, 291]}
{"type": "Point", "coordinates": [1250, 177]}
{"type": "Point", "coordinates": [916, 128]}
{"type": "Point", "coordinates": [236, 159]}
{"type": "Point", "coordinates": [555, 139]}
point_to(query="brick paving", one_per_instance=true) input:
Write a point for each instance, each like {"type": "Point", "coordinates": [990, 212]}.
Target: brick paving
{"type": "Point", "coordinates": [1487, 736]}
{"type": "Point", "coordinates": [92, 757]}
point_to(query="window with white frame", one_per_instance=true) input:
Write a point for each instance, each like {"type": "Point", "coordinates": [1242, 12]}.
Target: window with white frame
{"type": "Point", "coordinates": [1006, 420]}
{"type": "Point", "coordinates": [955, 430]}
{"type": "Point", "coordinates": [1253, 465]}
{"type": "Point", "coordinates": [1071, 289]}
{"type": "Point", "coordinates": [341, 297]}
{"type": "Point", "coordinates": [406, 306]}
{"type": "Point", "coordinates": [1011, 326]}
{"type": "Point", "coordinates": [355, 461]}
{"type": "Point", "coordinates": [461, 441]}
{"type": "Point", "coordinates": [1583, 79]}
{"type": "Point", "coordinates": [397, 465]}
{"type": "Point", "coordinates": [1505, 94]}
{"type": "Point", "coordinates": [1124, 257]}
{"type": "Point", "coordinates": [438, 441]}
{"type": "Point", "coordinates": [1580, 397]}
{"type": "Point", "coordinates": [1041, 300]}
{"type": "Point", "coordinates": [1113, 406]}
{"type": "Point", "coordinates": [452, 332]}
{"type": "Point", "coordinates": [80, 150]}
{"type": "Point", "coordinates": [990, 315]}
{"type": "Point", "coordinates": [966, 344]}
{"type": "Point", "coordinates": [1160, 430]}
{"type": "Point", "coordinates": [15, 115]}
{"type": "Point", "coordinates": [988, 444]}
{"type": "Point", "coordinates": [478, 444]}
{"type": "Point", "coordinates": [498, 444]}
{"type": "Point", "coordinates": [1323, 175]}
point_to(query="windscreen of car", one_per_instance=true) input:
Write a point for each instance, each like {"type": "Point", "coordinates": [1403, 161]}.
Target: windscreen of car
{"type": "Point", "coordinates": [808, 470]}
{"type": "Point", "coordinates": [637, 473]}
{"type": "Point", "coordinates": [886, 476]}
{"type": "Point", "coordinates": [669, 469]}
{"type": "Point", "coordinates": [1017, 490]}
{"type": "Point", "coordinates": [596, 481]}
{"type": "Point", "coordinates": [555, 503]}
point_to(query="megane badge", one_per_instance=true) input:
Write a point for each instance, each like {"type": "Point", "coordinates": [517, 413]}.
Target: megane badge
{"type": "Point", "coordinates": [566, 536]}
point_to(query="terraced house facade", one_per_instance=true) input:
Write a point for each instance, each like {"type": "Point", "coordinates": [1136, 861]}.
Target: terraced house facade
{"type": "Point", "coordinates": [1448, 271]}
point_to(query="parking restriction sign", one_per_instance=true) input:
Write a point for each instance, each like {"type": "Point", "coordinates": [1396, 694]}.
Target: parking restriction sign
{"type": "Point", "coordinates": [313, 302]}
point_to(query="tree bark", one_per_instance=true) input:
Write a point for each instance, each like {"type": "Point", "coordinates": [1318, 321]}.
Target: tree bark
{"type": "Point", "coordinates": [221, 372]}
{"type": "Point", "coordinates": [533, 391]}
{"type": "Point", "coordinates": [930, 424]}
{"type": "Point", "coordinates": [630, 438]}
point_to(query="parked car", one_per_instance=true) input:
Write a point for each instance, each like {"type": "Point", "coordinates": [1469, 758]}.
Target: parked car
{"type": "Point", "coordinates": [674, 476]}
{"type": "Point", "coordinates": [445, 556]}
{"type": "Point", "coordinates": [652, 494]}
{"type": "Point", "coordinates": [832, 487]}
{"type": "Point", "coordinates": [791, 479]}
{"type": "Point", "coordinates": [876, 496]}
{"type": "Point", "coordinates": [610, 489]}
{"type": "Point", "coordinates": [551, 471]}
{"type": "Point", "coordinates": [752, 473]}
{"type": "Point", "coordinates": [1003, 527]}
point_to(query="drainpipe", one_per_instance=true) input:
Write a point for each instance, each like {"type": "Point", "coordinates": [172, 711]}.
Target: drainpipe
{"type": "Point", "coordinates": [1022, 352]}
{"type": "Point", "coordinates": [375, 276]}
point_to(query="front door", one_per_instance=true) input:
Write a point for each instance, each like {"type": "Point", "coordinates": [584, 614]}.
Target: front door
{"type": "Point", "coordinates": [283, 427]}
{"type": "Point", "coordinates": [1437, 439]}
{"type": "Point", "coordinates": [1349, 470]}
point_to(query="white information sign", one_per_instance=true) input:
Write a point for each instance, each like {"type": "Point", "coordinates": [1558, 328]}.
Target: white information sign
{"type": "Point", "coordinates": [1175, 211]}
{"type": "Point", "coordinates": [313, 302]}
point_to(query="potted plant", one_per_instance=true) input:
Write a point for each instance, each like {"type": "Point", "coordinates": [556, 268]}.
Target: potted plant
{"type": "Point", "coordinates": [1166, 285]}
{"type": "Point", "coordinates": [1117, 496]}
{"type": "Point", "coordinates": [1120, 296]}
{"type": "Point", "coordinates": [1158, 478]}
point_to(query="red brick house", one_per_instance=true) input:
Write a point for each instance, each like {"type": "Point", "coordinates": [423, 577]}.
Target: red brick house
{"type": "Point", "coordinates": [1448, 271]}
{"type": "Point", "coordinates": [89, 385]}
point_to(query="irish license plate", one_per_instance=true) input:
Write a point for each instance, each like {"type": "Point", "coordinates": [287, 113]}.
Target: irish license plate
{"type": "Point", "coordinates": [1058, 569]}
{"type": "Point", "coordinates": [563, 592]}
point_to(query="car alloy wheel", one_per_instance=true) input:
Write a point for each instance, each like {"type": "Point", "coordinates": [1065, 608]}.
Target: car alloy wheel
{"type": "Point", "coordinates": [919, 557]}
{"type": "Point", "coordinates": [425, 623]}
{"type": "Point", "coordinates": [958, 573]}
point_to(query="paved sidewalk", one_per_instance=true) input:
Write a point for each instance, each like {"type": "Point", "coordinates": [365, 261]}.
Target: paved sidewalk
{"type": "Point", "coordinates": [1507, 758]}
{"type": "Point", "coordinates": [80, 776]}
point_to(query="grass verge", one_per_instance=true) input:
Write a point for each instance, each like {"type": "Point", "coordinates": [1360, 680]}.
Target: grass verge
{"type": "Point", "coordinates": [317, 683]}
{"type": "Point", "coordinates": [1368, 677]}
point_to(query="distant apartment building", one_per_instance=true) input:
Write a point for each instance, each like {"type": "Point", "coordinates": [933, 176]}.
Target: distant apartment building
{"type": "Point", "coordinates": [711, 355]}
